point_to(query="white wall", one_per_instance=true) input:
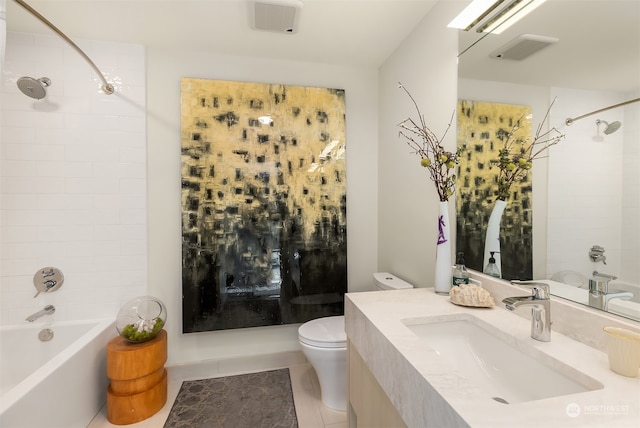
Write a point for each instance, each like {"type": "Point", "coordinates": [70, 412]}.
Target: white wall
{"type": "Point", "coordinates": [73, 179]}
{"type": "Point", "coordinates": [165, 68]}
{"type": "Point", "coordinates": [630, 224]}
{"type": "Point", "coordinates": [408, 202]}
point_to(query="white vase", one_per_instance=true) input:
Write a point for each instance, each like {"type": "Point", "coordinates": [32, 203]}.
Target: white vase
{"type": "Point", "coordinates": [492, 237]}
{"type": "Point", "coordinates": [443, 251]}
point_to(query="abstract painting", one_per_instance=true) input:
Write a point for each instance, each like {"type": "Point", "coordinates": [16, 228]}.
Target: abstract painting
{"type": "Point", "coordinates": [481, 130]}
{"type": "Point", "coordinates": [263, 204]}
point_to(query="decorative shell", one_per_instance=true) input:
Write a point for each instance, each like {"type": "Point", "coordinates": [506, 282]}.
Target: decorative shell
{"type": "Point", "coordinates": [471, 295]}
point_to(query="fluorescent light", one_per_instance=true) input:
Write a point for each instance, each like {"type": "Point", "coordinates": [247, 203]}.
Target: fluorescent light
{"type": "Point", "coordinates": [509, 16]}
{"type": "Point", "coordinates": [473, 13]}
{"type": "Point", "coordinates": [478, 10]}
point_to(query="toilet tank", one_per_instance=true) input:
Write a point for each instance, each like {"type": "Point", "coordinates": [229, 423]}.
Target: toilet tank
{"type": "Point", "coordinates": [387, 281]}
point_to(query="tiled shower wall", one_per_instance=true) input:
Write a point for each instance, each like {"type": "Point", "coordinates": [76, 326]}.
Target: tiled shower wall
{"type": "Point", "coordinates": [593, 194]}
{"type": "Point", "coordinates": [73, 178]}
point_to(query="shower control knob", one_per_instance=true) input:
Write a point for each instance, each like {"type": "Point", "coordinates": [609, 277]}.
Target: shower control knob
{"type": "Point", "coordinates": [47, 279]}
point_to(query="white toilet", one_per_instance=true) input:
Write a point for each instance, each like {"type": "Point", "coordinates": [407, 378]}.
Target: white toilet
{"type": "Point", "coordinates": [324, 344]}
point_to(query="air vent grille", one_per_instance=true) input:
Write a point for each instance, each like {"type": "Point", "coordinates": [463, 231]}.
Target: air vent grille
{"type": "Point", "coordinates": [523, 46]}
{"type": "Point", "coordinates": [280, 16]}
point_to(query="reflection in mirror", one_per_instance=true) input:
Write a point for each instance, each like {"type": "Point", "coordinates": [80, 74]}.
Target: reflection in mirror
{"type": "Point", "coordinates": [586, 193]}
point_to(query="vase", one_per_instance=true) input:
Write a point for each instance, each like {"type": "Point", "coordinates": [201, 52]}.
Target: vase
{"type": "Point", "coordinates": [141, 319]}
{"type": "Point", "coordinates": [492, 237]}
{"type": "Point", "coordinates": [443, 251]}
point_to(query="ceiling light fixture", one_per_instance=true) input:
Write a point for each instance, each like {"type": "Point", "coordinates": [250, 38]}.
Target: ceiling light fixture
{"type": "Point", "coordinates": [508, 16]}
{"type": "Point", "coordinates": [478, 10]}
{"type": "Point", "coordinates": [475, 12]}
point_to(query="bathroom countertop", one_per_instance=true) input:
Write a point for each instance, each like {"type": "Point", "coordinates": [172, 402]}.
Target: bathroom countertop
{"type": "Point", "coordinates": [427, 394]}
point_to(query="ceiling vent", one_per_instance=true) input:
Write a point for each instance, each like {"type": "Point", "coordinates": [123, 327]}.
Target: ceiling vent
{"type": "Point", "coordinates": [523, 46]}
{"type": "Point", "coordinates": [280, 16]}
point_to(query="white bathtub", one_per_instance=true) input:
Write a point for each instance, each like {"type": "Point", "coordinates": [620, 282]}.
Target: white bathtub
{"type": "Point", "coordinates": [60, 383]}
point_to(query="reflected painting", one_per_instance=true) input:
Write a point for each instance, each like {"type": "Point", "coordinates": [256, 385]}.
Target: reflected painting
{"type": "Point", "coordinates": [263, 204]}
{"type": "Point", "coordinates": [481, 130]}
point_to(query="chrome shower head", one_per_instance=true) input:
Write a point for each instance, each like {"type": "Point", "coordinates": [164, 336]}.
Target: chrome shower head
{"type": "Point", "coordinates": [34, 88]}
{"type": "Point", "coordinates": [610, 128]}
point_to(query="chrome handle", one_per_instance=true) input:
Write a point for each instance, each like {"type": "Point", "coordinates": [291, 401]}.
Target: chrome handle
{"type": "Point", "coordinates": [540, 290]}
{"type": "Point", "coordinates": [604, 276]}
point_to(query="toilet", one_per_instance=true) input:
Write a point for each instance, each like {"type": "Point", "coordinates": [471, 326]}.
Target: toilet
{"type": "Point", "coordinates": [324, 344]}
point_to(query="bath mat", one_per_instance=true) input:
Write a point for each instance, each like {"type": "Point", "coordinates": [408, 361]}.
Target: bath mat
{"type": "Point", "coordinates": [252, 400]}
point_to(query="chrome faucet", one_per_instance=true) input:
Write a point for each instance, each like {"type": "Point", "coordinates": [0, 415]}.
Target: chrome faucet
{"type": "Point", "coordinates": [599, 292]}
{"type": "Point", "coordinates": [540, 308]}
{"type": "Point", "coordinates": [47, 310]}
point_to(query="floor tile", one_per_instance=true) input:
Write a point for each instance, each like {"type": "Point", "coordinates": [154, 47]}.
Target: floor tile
{"type": "Point", "coordinates": [310, 411]}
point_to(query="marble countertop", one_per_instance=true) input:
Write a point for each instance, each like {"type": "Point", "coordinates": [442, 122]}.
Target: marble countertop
{"type": "Point", "coordinates": [426, 393]}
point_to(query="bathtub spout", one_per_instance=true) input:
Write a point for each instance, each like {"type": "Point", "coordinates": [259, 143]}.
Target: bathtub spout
{"type": "Point", "coordinates": [47, 310]}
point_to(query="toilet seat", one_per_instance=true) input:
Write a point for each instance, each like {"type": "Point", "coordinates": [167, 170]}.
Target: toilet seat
{"type": "Point", "coordinates": [327, 332]}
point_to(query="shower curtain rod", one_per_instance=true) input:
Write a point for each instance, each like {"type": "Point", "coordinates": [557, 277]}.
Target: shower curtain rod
{"type": "Point", "coordinates": [107, 87]}
{"type": "Point", "coordinates": [570, 121]}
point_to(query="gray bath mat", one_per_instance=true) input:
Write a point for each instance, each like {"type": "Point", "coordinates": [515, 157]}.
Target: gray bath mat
{"type": "Point", "coordinates": [252, 400]}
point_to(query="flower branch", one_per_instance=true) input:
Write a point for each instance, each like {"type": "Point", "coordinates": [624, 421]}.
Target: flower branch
{"type": "Point", "coordinates": [439, 162]}
{"type": "Point", "coordinates": [516, 156]}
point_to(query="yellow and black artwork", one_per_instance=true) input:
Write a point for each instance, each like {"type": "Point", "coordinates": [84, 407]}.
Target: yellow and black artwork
{"type": "Point", "coordinates": [263, 204]}
{"type": "Point", "coordinates": [481, 130]}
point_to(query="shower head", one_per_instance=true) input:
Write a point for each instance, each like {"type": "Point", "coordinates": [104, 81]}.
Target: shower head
{"type": "Point", "coordinates": [34, 88]}
{"type": "Point", "coordinates": [610, 127]}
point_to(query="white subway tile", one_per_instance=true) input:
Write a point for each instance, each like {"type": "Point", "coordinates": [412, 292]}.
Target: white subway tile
{"type": "Point", "coordinates": [70, 211]}
{"type": "Point", "coordinates": [19, 201]}
{"type": "Point", "coordinates": [133, 186]}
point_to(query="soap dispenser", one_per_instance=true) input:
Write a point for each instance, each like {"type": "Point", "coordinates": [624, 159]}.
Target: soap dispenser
{"type": "Point", "coordinates": [492, 267]}
{"type": "Point", "coordinates": [460, 273]}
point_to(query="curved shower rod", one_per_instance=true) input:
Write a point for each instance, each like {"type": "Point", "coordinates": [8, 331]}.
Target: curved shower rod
{"type": "Point", "coordinates": [107, 87]}
{"type": "Point", "coordinates": [570, 121]}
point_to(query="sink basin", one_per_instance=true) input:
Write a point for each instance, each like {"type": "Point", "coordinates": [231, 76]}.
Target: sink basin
{"type": "Point", "coordinates": [503, 369]}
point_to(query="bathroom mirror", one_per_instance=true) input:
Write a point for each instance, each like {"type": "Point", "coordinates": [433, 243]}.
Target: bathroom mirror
{"type": "Point", "coordinates": [594, 64]}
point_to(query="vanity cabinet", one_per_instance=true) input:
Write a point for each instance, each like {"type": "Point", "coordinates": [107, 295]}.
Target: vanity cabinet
{"type": "Point", "coordinates": [369, 406]}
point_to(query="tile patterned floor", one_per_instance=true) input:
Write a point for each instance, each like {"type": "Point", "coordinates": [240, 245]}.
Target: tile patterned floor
{"type": "Point", "coordinates": [304, 383]}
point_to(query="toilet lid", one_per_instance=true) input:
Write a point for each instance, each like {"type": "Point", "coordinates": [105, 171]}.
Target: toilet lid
{"type": "Point", "coordinates": [327, 332]}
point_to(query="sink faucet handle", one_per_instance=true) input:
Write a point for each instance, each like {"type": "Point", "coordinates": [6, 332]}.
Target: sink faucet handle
{"type": "Point", "coordinates": [604, 276]}
{"type": "Point", "coordinates": [540, 290]}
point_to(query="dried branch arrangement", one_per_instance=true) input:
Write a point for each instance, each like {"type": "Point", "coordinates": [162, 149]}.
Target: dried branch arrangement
{"type": "Point", "coordinates": [517, 154]}
{"type": "Point", "coordinates": [440, 163]}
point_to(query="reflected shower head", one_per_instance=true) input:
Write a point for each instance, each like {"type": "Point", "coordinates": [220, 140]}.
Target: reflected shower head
{"type": "Point", "coordinates": [34, 88]}
{"type": "Point", "coordinates": [610, 128]}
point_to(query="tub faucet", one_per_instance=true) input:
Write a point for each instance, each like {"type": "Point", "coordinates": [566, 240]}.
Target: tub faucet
{"type": "Point", "coordinates": [47, 310]}
{"type": "Point", "coordinates": [540, 308]}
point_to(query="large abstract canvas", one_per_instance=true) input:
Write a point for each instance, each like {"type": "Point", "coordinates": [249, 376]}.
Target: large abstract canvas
{"type": "Point", "coordinates": [481, 130]}
{"type": "Point", "coordinates": [263, 204]}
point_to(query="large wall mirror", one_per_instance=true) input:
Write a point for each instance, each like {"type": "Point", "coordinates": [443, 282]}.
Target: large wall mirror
{"type": "Point", "coordinates": [586, 193]}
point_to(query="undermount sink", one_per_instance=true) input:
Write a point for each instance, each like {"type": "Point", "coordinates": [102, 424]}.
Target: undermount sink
{"type": "Point", "coordinates": [503, 369]}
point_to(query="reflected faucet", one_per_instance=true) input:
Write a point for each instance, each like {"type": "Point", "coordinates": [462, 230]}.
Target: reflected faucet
{"type": "Point", "coordinates": [599, 292]}
{"type": "Point", "coordinates": [540, 308]}
{"type": "Point", "coordinates": [47, 310]}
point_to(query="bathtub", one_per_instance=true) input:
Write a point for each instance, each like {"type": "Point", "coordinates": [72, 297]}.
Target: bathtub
{"type": "Point", "coordinates": [58, 383]}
